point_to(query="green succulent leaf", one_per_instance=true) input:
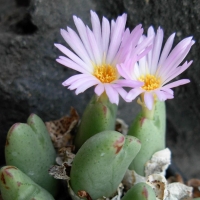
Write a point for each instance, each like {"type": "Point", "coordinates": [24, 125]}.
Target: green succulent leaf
{"type": "Point", "coordinates": [98, 116]}
{"type": "Point", "coordinates": [151, 133]}
{"type": "Point", "coordinates": [140, 191]}
{"type": "Point", "coordinates": [16, 185]}
{"type": "Point", "coordinates": [29, 148]}
{"type": "Point", "coordinates": [100, 164]}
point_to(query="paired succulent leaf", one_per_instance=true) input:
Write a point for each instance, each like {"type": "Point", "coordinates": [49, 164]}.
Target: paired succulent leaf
{"type": "Point", "coordinates": [29, 148]}
{"type": "Point", "coordinates": [101, 162]}
{"type": "Point", "coordinates": [151, 133]}
{"type": "Point", "coordinates": [98, 116]}
{"type": "Point", "coordinates": [16, 185]}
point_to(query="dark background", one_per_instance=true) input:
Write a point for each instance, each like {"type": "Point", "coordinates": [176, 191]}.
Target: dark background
{"type": "Point", "coordinates": [30, 79]}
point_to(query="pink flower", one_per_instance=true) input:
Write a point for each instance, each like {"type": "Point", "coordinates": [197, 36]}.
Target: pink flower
{"type": "Point", "coordinates": [97, 52]}
{"type": "Point", "coordinates": [157, 68]}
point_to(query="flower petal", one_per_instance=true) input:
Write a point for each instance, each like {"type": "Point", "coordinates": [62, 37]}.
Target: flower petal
{"type": "Point", "coordinates": [96, 27]}
{"type": "Point", "coordinates": [116, 37]}
{"type": "Point", "coordinates": [156, 50]}
{"type": "Point", "coordinates": [72, 79]}
{"type": "Point", "coordinates": [161, 95]}
{"type": "Point", "coordinates": [85, 86]}
{"type": "Point", "coordinates": [177, 71]}
{"type": "Point", "coordinates": [123, 71]}
{"type": "Point", "coordinates": [75, 43]}
{"type": "Point", "coordinates": [112, 94]}
{"type": "Point", "coordinates": [83, 35]}
{"type": "Point", "coordinates": [166, 49]}
{"type": "Point", "coordinates": [135, 35]}
{"type": "Point", "coordinates": [99, 89]}
{"type": "Point", "coordinates": [173, 65]}
{"type": "Point", "coordinates": [150, 33]}
{"type": "Point", "coordinates": [177, 55]}
{"type": "Point", "coordinates": [122, 92]}
{"type": "Point", "coordinates": [70, 64]}
{"type": "Point", "coordinates": [94, 47]}
{"type": "Point", "coordinates": [169, 96]}
{"type": "Point", "coordinates": [177, 83]}
{"type": "Point", "coordinates": [144, 47]}
{"type": "Point", "coordinates": [168, 90]}
{"type": "Point", "coordinates": [129, 83]}
{"type": "Point", "coordinates": [133, 94]}
{"type": "Point", "coordinates": [105, 35]}
{"type": "Point", "coordinates": [82, 81]}
{"type": "Point", "coordinates": [72, 56]}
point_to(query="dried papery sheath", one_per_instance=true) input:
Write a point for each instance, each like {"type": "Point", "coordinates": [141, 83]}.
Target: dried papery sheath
{"type": "Point", "coordinates": [65, 155]}
{"type": "Point", "coordinates": [165, 191]}
{"type": "Point", "coordinates": [159, 163]}
{"type": "Point", "coordinates": [159, 184]}
{"type": "Point", "coordinates": [131, 178]}
{"type": "Point", "coordinates": [65, 161]}
{"type": "Point", "coordinates": [59, 172]}
{"type": "Point", "coordinates": [178, 191]}
{"type": "Point", "coordinates": [119, 192]}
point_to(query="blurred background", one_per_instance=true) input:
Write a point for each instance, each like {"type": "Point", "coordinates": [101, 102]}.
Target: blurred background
{"type": "Point", "coordinates": [30, 78]}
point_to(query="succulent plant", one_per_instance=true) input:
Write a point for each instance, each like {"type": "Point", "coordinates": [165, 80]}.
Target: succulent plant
{"type": "Point", "coordinates": [99, 115]}
{"type": "Point", "coordinates": [140, 191]}
{"type": "Point", "coordinates": [14, 184]}
{"type": "Point", "coordinates": [151, 133]}
{"type": "Point", "coordinates": [29, 148]}
{"type": "Point", "coordinates": [109, 57]}
{"type": "Point", "coordinates": [101, 162]}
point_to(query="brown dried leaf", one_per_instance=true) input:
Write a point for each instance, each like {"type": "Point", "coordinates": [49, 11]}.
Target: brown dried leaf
{"type": "Point", "coordinates": [61, 130]}
{"type": "Point", "coordinates": [60, 172]}
{"type": "Point", "coordinates": [195, 183]}
{"type": "Point", "coordinates": [65, 155]}
{"type": "Point", "coordinates": [176, 178]}
{"type": "Point", "coordinates": [84, 194]}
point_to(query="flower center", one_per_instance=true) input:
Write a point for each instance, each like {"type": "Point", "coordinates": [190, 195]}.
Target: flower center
{"type": "Point", "coordinates": [105, 73]}
{"type": "Point", "coordinates": [150, 82]}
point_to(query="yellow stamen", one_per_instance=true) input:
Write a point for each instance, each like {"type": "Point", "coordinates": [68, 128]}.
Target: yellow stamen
{"type": "Point", "coordinates": [106, 73]}
{"type": "Point", "coordinates": [150, 82]}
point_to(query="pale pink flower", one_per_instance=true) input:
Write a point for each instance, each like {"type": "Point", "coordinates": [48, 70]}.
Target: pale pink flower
{"type": "Point", "coordinates": [97, 52]}
{"type": "Point", "coordinates": [157, 68]}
